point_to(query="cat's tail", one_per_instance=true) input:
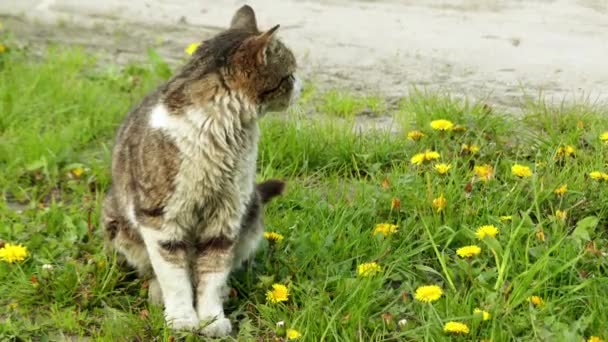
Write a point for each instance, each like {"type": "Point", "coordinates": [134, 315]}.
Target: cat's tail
{"type": "Point", "coordinates": [270, 189]}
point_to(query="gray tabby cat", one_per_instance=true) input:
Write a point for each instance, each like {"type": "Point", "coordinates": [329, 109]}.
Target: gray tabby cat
{"type": "Point", "coordinates": [183, 207]}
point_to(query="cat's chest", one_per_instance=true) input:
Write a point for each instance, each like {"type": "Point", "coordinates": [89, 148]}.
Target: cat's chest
{"type": "Point", "coordinates": [218, 160]}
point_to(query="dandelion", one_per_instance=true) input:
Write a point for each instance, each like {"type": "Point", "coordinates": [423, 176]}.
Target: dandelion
{"type": "Point", "coordinates": [561, 191]}
{"type": "Point", "coordinates": [487, 230]}
{"type": "Point", "coordinates": [273, 237]}
{"type": "Point", "coordinates": [428, 155]}
{"type": "Point", "coordinates": [561, 215]}
{"type": "Point", "coordinates": [484, 172]}
{"type": "Point", "coordinates": [368, 269]}
{"type": "Point", "coordinates": [604, 137]}
{"type": "Point", "coordinates": [472, 148]}
{"type": "Point", "coordinates": [506, 218]}
{"type": "Point", "coordinates": [540, 234]}
{"type": "Point", "coordinates": [442, 125]}
{"type": "Point", "coordinates": [13, 253]}
{"type": "Point", "coordinates": [385, 229]}
{"type": "Point", "coordinates": [293, 334]}
{"type": "Point", "coordinates": [415, 135]}
{"type": "Point", "coordinates": [566, 151]}
{"type": "Point", "coordinates": [2, 48]}
{"type": "Point", "coordinates": [428, 293]}
{"type": "Point", "coordinates": [468, 251]}
{"type": "Point", "coordinates": [279, 293]}
{"type": "Point", "coordinates": [442, 168]}
{"type": "Point", "coordinates": [440, 203]}
{"type": "Point", "coordinates": [484, 314]}
{"type": "Point", "coordinates": [456, 328]}
{"type": "Point", "coordinates": [536, 300]}
{"type": "Point", "coordinates": [77, 172]}
{"type": "Point", "coordinates": [595, 339]}
{"type": "Point", "coordinates": [595, 175]}
{"type": "Point", "coordinates": [431, 155]}
{"type": "Point", "coordinates": [395, 203]}
{"type": "Point", "coordinates": [191, 49]}
{"type": "Point", "coordinates": [417, 159]}
{"type": "Point", "coordinates": [521, 171]}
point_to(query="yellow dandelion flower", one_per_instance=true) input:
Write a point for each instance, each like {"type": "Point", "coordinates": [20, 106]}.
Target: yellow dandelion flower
{"type": "Point", "coordinates": [595, 339]}
{"type": "Point", "coordinates": [415, 135]}
{"type": "Point", "coordinates": [487, 230]}
{"type": "Point", "coordinates": [279, 293]}
{"type": "Point", "coordinates": [566, 151]}
{"type": "Point", "coordinates": [442, 125]}
{"type": "Point", "coordinates": [428, 155]}
{"type": "Point", "coordinates": [521, 171]}
{"type": "Point", "coordinates": [442, 168]}
{"type": "Point", "coordinates": [77, 172]}
{"type": "Point", "coordinates": [484, 314]}
{"type": "Point", "coordinates": [417, 159]}
{"type": "Point", "coordinates": [293, 334]}
{"type": "Point", "coordinates": [536, 300]}
{"type": "Point", "coordinates": [561, 191]}
{"type": "Point", "coordinates": [484, 172]}
{"type": "Point", "coordinates": [431, 155]}
{"type": "Point", "coordinates": [456, 328]}
{"type": "Point", "coordinates": [368, 269]}
{"type": "Point", "coordinates": [191, 49]}
{"type": "Point", "coordinates": [13, 253]}
{"type": "Point", "coordinates": [472, 148]}
{"type": "Point", "coordinates": [273, 237]}
{"type": "Point", "coordinates": [2, 48]}
{"type": "Point", "coordinates": [428, 293]}
{"type": "Point", "coordinates": [540, 234]}
{"type": "Point", "coordinates": [468, 251]}
{"type": "Point", "coordinates": [385, 229]}
{"type": "Point", "coordinates": [595, 175]}
{"type": "Point", "coordinates": [506, 218]}
{"type": "Point", "coordinates": [605, 177]}
{"type": "Point", "coordinates": [604, 137]}
{"type": "Point", "coordinates": [440, 203]}
{"type": "Point", "coordinates": [561, 215]}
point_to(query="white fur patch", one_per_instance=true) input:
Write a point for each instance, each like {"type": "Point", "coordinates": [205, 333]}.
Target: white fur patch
{"type": "Point", "coordinates": [174, 282]}
{"type": "Point", "coordinates": [297, 89]}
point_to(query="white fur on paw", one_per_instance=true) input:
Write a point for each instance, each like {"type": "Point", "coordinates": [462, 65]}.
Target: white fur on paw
{"type": "Point", "coordinates": [218, 328]}
{"type": "Point", "coordinates": [185, 322]}
{"type": "Point", "coordinates": [155, 295]}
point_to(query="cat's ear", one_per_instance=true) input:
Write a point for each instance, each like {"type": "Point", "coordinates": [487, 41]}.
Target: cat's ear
{"type": "Point", "coordinates": [244, 19]}
{"type": "Point", "coordinates": [257, 45]}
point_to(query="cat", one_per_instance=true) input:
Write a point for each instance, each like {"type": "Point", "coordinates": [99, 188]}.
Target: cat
{"type": "Point", "coordinates": [184, 168]}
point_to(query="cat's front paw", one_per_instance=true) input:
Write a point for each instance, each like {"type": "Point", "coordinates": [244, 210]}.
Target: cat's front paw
{"type": "Point", "coordinates": [218, 328]}
{"type": "Point", "coordinates": [185, 321]}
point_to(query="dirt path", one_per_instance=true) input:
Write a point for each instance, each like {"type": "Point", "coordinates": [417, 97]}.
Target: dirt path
{"type": "Point", "coordinates": [464, 46]}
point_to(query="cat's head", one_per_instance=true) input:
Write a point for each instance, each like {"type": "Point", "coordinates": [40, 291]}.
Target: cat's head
{"type": "Point", "coordinates": [252, 62]}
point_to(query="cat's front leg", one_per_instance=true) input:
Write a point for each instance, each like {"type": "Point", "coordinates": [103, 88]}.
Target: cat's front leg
{"type": "Point", "coordinates": [168, 255]}
{"type": "Point", "coordinates": [213, 262]}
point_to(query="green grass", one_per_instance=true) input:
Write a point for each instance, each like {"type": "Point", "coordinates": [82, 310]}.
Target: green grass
{"type": "Point", "coordinates": [59, 114]}
{"type": "Point", "coordinates": [341, 103]}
